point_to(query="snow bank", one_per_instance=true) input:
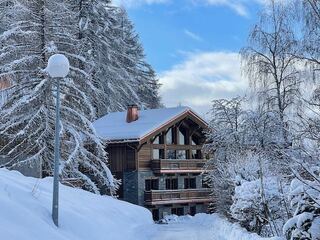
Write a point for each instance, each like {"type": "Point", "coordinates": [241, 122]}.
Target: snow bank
{"type": "Point", "coordinates": [216, 227]}
{"type": "Point", "coordinates": [25, 212]}
{"type": "Point", "coordinates": [233, 230]}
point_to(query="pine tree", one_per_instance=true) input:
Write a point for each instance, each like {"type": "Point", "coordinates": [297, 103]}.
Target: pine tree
{"type": "Point", "coordinates": [36, 30]}
{"type": "Point", "coordinates": [119, 70]}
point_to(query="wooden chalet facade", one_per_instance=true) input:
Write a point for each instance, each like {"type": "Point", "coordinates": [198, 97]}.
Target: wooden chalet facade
{"type": "Point", "coordinates": [158, 156]}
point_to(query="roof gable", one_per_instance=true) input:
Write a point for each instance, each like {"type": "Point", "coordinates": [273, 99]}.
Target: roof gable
{"type": "Point", "coordinates": [113, 127]}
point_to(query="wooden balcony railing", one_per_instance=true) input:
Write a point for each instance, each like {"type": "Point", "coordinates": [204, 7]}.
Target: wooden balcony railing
{"type": "Point", "coordinates": [178, 165]}
{"type": "Point", "coordinates": [156, 197]}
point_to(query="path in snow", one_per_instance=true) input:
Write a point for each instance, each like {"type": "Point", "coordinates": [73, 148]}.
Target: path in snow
{"type": "Point", "coordinates": [185, 231]}
{"type": "Point", "coordinates": [202, 229]}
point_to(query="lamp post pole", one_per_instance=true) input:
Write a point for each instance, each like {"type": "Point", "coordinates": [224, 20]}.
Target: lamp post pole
{"type": "Point", "coordinates": [55, 200]}
{"type": "Point", "coordinates": [58, 68]}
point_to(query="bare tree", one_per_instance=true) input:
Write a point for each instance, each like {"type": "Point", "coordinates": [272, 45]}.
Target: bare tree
{"type": "Point", "coordinates": [310, 43]}
{"type": "Point", "coordinates": [270, 61]}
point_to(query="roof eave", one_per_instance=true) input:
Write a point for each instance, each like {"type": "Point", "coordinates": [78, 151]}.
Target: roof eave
{"type": "Point", "coordinates": [108, 141]}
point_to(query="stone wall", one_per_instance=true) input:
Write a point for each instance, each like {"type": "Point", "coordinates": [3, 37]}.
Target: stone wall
{"type": "Point", "coordinates": [130, 187]}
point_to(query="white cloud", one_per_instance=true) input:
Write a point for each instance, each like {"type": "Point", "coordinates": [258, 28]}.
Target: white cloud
{"type": "Point", "coordinates": [193, 35]}
{"type": "Point", "coordinates": [239, 6]}
{"type": "Point", "coordinates": [201, 78]}
{"type": "Point", "coordinates": [135, 3]}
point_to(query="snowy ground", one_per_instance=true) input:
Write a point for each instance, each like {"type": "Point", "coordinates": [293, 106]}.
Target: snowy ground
{"type": "Point", "coordinates": [200, 227]}
{"type": "Point", "coordinates": [25, 206]}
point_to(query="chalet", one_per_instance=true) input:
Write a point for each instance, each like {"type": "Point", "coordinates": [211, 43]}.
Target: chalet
{"type": "Point", "coordinates": [158, 156]}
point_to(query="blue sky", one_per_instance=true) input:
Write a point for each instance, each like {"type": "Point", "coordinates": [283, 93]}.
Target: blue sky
{"type": "Point", "coordinates": [193, 45]}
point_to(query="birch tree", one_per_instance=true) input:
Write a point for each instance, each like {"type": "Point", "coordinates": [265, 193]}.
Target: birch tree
{"type": "Point", "coordinates": [270, 61]}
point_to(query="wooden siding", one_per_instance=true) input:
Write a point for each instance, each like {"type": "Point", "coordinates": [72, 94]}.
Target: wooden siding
{"type": "Point", "coordinates": [144, 156]}
{"type": "Point", "coordinates": [121, 158]}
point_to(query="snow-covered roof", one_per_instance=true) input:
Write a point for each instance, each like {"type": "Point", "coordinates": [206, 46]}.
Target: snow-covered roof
{"type": "Point", "coordinates": [114, 126]}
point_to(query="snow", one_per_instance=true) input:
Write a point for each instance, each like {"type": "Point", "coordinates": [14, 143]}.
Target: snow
{"type": "Point", "coordinates": [315, 228]}
{"type": "Point", "coordinates": [200, 227]}
{"type": "Point", "coordinates": [58, 66]}
{"type": "Point", "coordinates": [25, 207]}
{"type": "Point", "coordinates": [303, 217]}
{"type": "Point", "coordinates": [306, 220]}
{"type": "Point", "coordinates": [115, 127]}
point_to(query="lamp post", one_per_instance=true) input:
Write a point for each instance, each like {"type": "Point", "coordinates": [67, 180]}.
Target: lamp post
{"type": "Point", "coordinates": [58, 68]}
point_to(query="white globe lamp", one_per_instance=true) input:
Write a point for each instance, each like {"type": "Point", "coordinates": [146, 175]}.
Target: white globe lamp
{"type": "Point", "coordinates": [58, 66]}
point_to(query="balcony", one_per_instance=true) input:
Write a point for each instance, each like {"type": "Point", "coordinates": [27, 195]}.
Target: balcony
{"type": "Point", "coordinates": [178, 165]}
{"type": "Point", "coordinates": [157, 197]}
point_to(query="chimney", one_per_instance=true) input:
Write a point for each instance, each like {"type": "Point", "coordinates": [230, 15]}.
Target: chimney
{"type": "Point", "coordinates": [132, 113]}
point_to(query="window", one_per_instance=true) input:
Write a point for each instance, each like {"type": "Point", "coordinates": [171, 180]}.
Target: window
{"type": "Point", "coordinates": [158, 139]}
{"type": "Point", "coordinates": [205, 184]}
{"type": "Point", "coordinates": [170, 136]}
{"type": "Point", "coordinates": [151, 184]}
{"type": "Point", "coordinates": [155, 214]}
{"type": "Point", "coordinates": [158, 154]}
{"type": "Point", "coordinates": [177, 211]}
{"type": "Point", "coordinates": [190, 183]}
{"type": "Point", "coordinates": [171, 183]}
{"type": "Point", "coordinates": [195, 140]}
{"type": "Point", "coordinates": [183, 138]}
{"type": "Point", "coordinates": [196, 154]}
{"type": "Point", "coordinates": [193, 210]}
{"type": "Point", "coordinates": [171, 154]}
{"type": "Point", "coordinates": [181, 154]}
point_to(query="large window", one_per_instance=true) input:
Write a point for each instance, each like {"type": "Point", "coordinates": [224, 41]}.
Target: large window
{"type": "Point", "coordinates": [171, 183]}
{"type": "Point", "coordinates": [181, 154]}
{"type": "Point", "coordinates": [159, 139]}
{"type": "Point", "coordinates": [158, 154]}
{"type": "Point", "coordinates": [177, 211]}
{"type": "Point", "coordinates": [195, 140]}
{"type": "Point", "coordinates": [171, 154]}
{"type": "Point", "coordinates": [177, 154]}
{"type": "Point", "coordinates": [193, 210]}
{"type": "Point", "coordinates": [205, 184]}
{"type": "Point", "coordinates": [183, 137]}
{"type": "Point", "coordinates": [196, 154]}
{"type": "Point", "coordinates": [190, 183]}
{"type": "Point", "coordinates": [170, 136]}
{"type": "Point", "coordinates": [155, 214]}
{"type": "Point", "coordinates": [151, 184]}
